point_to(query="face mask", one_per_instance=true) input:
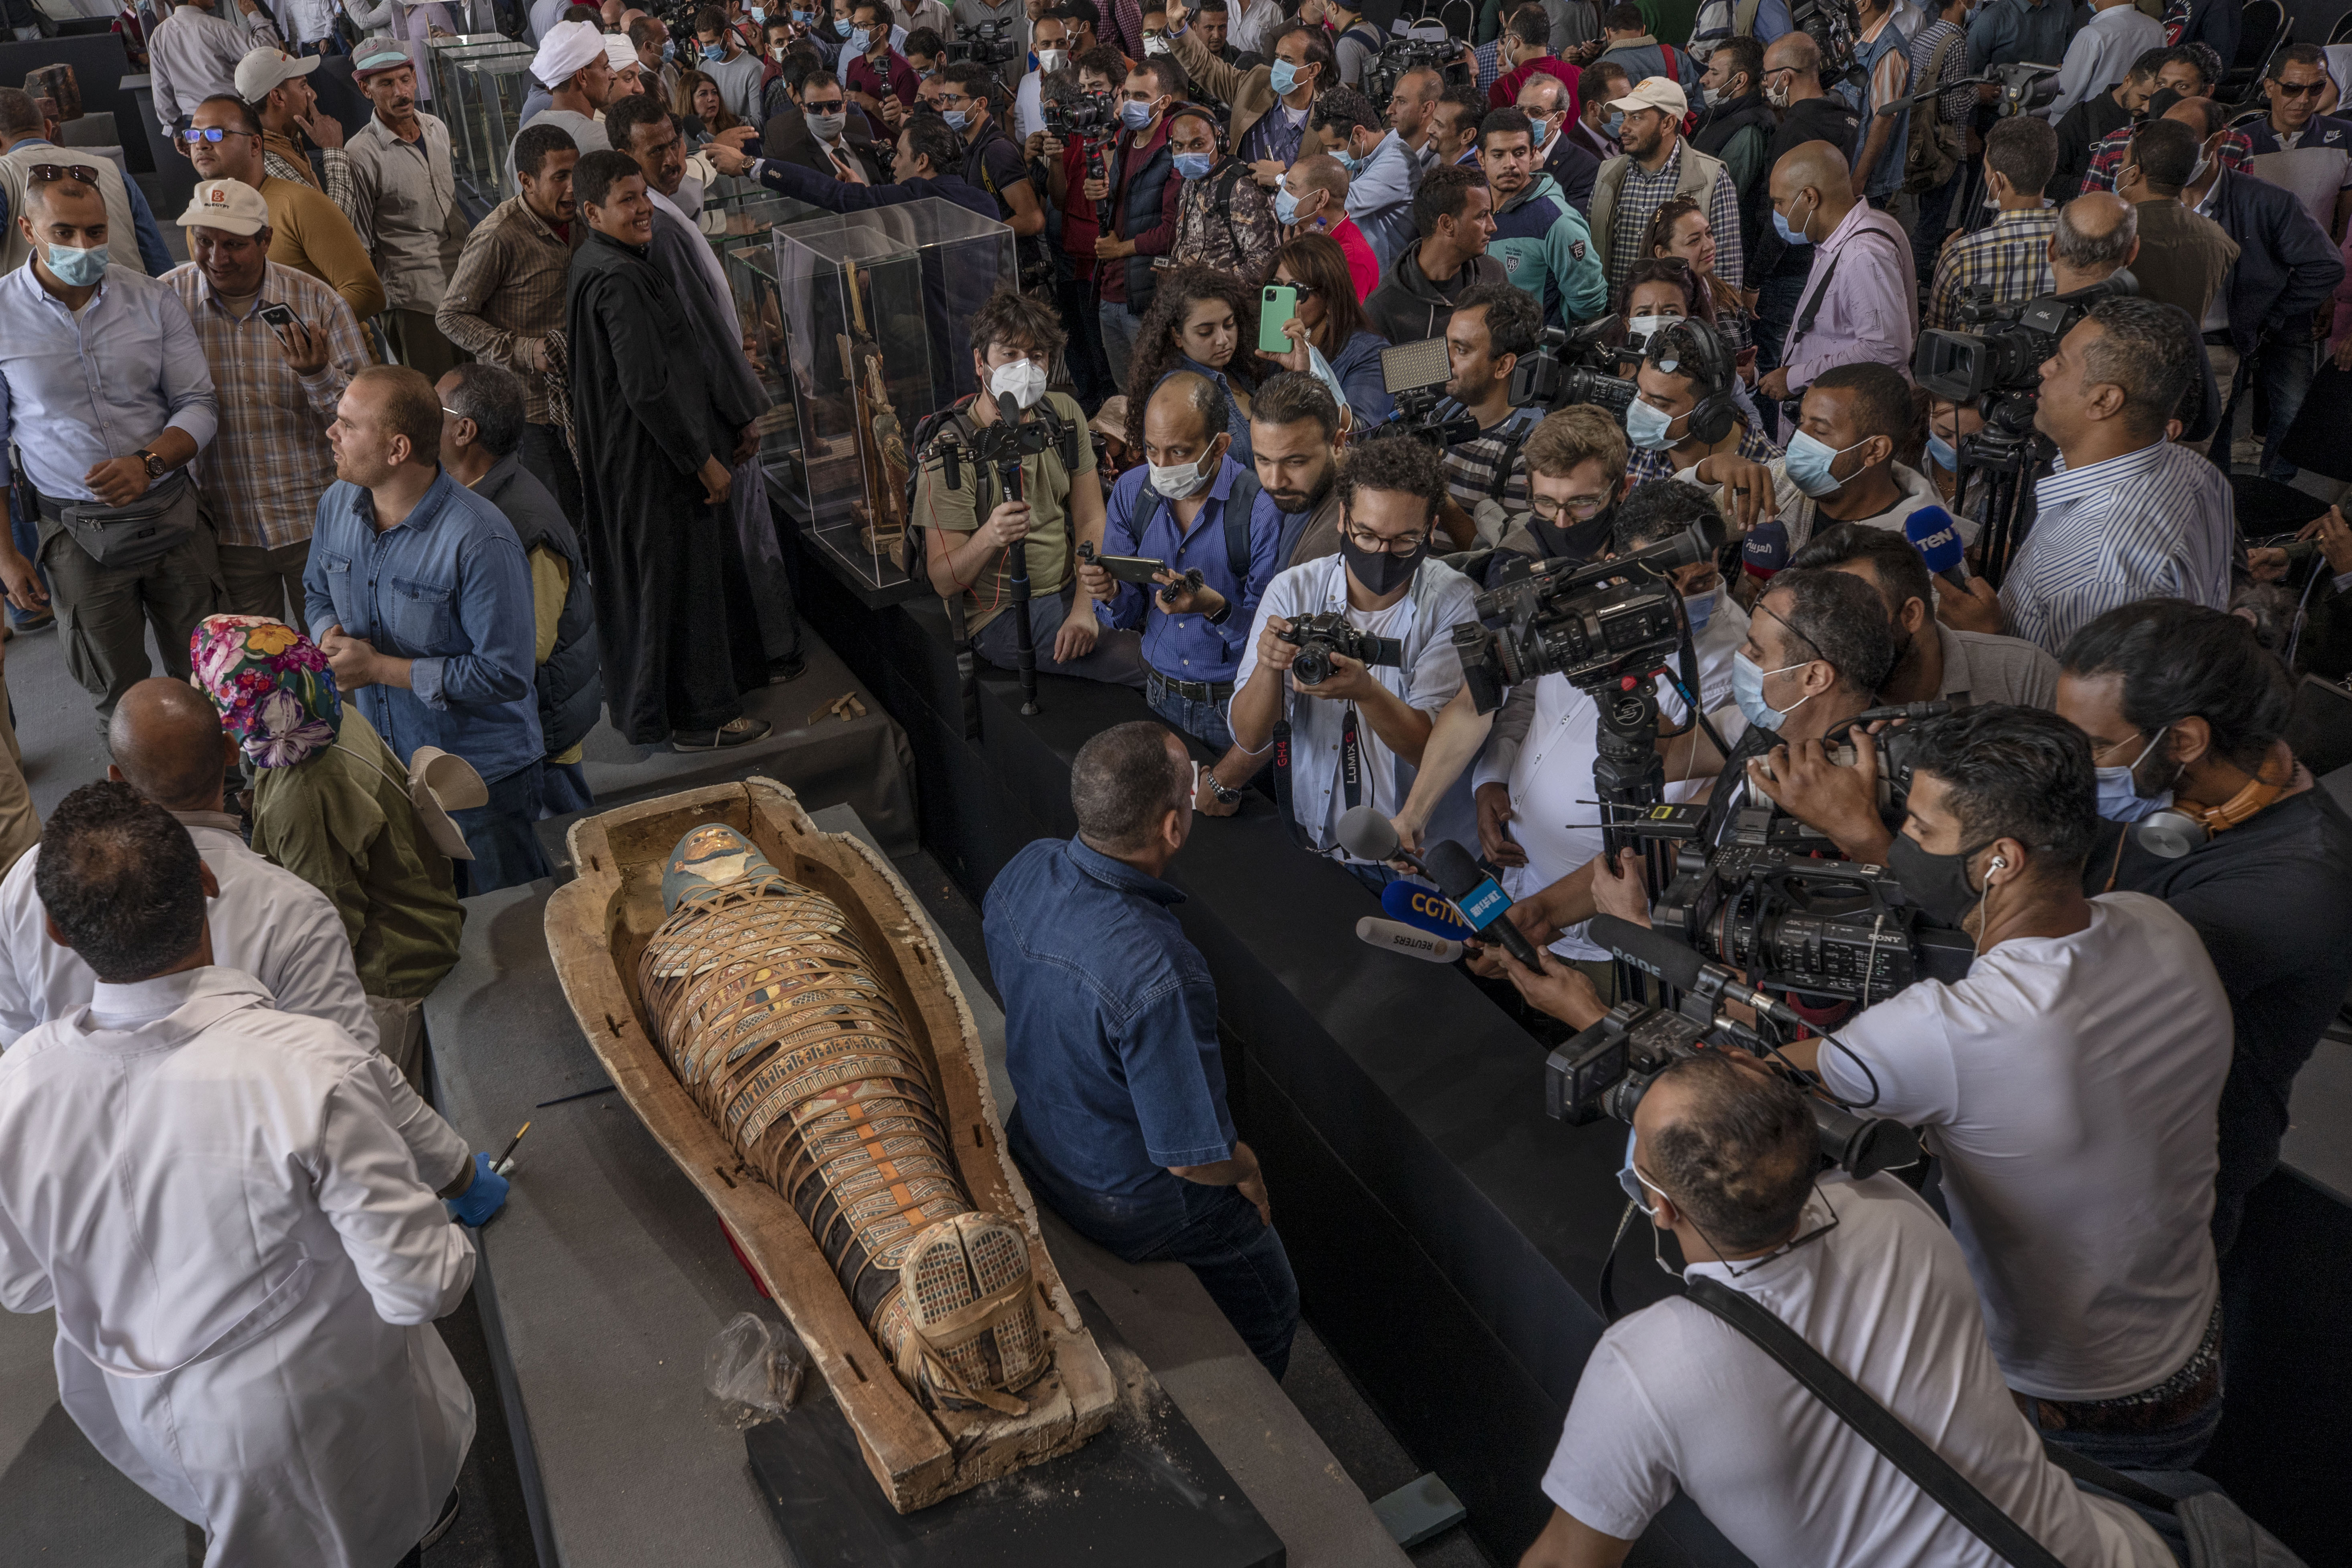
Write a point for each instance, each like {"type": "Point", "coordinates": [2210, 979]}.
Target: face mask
{"type": "Point", "coordinates": [1646, 426]}
{"type": "Point", "coordinates": [1642, 326]}
{"type": "Point", "coordinates": [1748, 691]}
{"type": "Point", "coordinates": [1051, 60]}
{"type": "Point", "coordinates": [1943, 454]}
{"type": "Point", "coordinates": [1777, 95]}
{"type": "Point", "coordinates": [1283, 77]}
{"type": "Point", "coordinates": [1630, 1179]}
{"type": "Point", "coordinates": [957, 119]}
{"type": "Point", "coordinates": [1021, 383]}
{"type": "Point", "coordinates": [77, 269]}
{"type": "Point", "coordinates": [803, 17]}
{"type": "Point", "coordinates": [669, 50]}
{"type": "Point", "coordinates": [1381, 572]}
{"type": "Point", "coordinates": [1700, 607]}
{"type": "Point", "coordinates": [1538, 129]}
{"type": "Point", "coordinates": [1286, 206]}
{"type": "Point", "coordinates": [1194, 165]}
{"type": "Point", "coordinates": [1133, 115]}
{"type": "Point", "coordinates": [1936, 884]}
{"type": "Point", "coordinates": [1780, 226]}
{"type": "Point", "coordinates": [828, 127]}
{"type": "Point", "coordinates": [1615, 124]}
{"type": "Point", "coordinates": [757, 14]}
{"type": "Point", "coordinates": [1350, 161]}
{"type": "Point", "coordinates": [2119, 796]}
{"type": "Point", "coordinates": [714, 51]}
{"type": "Point", "coordinates": [1807, 464]}
{"type": "Point", "coordinates": [860, 39]}
{"type": "Point", "coordinates": [840, 27]}
{"type": "Point", "coordinates": [1155, 45]}
{"type": "Point", "coordinates": [1182, 481]}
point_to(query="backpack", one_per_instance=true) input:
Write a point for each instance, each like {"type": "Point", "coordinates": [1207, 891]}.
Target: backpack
{"type": "Point", "coordinates": [1033, 255]}
{"type": "Point", "coordinates": [1238, 507]}
{"type": "Point", "coordinates": [1674, 75]}
{"type": "Point", "coordinates": [1935, 148]}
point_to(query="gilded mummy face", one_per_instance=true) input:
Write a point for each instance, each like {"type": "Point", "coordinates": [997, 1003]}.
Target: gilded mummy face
{"type": "Point", "coordinates": [711, 858]}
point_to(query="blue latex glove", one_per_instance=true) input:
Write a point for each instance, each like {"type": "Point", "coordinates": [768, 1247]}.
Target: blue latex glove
{"type": "Point", "coordinates": [484, 1199]}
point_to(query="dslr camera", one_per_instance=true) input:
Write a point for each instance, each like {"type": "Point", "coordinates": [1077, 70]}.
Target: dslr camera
{"type": "Point", "coordinates": [1412, 54]}
{"type": "Point", "coordinates": [1319, 636]}
{"type": "Point", "coordinates": [1596, 623]}
{"type": "Point", "coordinates": [984, 42]}
{"type": "Point", "coordinates": [1572, 366]}
{"type": "Point", "coordinates": [1077, 117]}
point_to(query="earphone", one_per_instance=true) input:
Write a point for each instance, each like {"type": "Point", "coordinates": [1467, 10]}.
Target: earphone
{"type": "Point", "coordinates": [1711, 418]}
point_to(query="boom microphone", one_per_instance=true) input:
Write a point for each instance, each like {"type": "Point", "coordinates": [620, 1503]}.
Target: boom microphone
{"type": "Point", "coordinates": [1411, 941]}
{"type": "Point", "coordinates": [1484, 904]}
{"type": "Point", "coordinates": [1680, 966]}
{"type": "Point", "coordinates": [1936, 538]}
{"type": "Point", "coordinates": [1367, 836]}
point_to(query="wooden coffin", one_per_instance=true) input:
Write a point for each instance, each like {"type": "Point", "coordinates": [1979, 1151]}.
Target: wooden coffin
{"type": "Point", "coordinates": [596, 928]}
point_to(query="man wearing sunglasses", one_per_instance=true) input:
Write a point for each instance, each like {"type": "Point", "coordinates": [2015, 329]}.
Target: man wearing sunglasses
{"type": "Point", "coordinates": [307, 231]}
{"type": "Point", "coordinates": [2297, 146]}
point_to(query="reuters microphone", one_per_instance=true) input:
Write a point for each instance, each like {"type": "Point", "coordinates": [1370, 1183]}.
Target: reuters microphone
{"type": "Point", "coordinates": [1411, 941]}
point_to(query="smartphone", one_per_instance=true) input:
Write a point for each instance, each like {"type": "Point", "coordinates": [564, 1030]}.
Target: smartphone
{"type": "Point", "coordinates": [1274, 310]}
{"type": "Point", "coordinates": [280, 316]}
{"type": "Point", "coordinates": [1140, 569]}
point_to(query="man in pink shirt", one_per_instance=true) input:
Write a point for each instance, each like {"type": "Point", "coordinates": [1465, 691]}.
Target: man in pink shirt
{"type": "Point", "coordinates": [1861, 300]}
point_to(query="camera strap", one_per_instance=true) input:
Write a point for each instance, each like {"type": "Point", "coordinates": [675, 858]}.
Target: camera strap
{"type": "Point", "coordinates": [1352, 762]}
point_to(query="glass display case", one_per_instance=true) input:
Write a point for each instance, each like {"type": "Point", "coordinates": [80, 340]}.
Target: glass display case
{"type": "Point", "coordinates": [488, 85]}
{"type": "Point", "coordinates": [740, 224]}
{"type": "Point", "coordinates": [876, 309]}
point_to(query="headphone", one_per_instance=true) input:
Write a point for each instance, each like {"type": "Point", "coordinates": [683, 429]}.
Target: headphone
{"type": "Point", "coordinates": [2181, 827]}
{"type": "Point", "coordinates": [1711, 418]}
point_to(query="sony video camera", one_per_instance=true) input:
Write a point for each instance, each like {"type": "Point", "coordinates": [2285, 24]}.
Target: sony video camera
{"type": "Point", "coordinates": [1319, 636]}
{"type": "Point", "coordinates": [1440, 54]}
{"type": "Point", "coordinates": [1594, 624]}
{"type": "Point", "coordinates": [1572, 367]}
{"type": "Point", "coordinates": [984, 42]}
{"type": "Point", "coordinates": [1997, 359]}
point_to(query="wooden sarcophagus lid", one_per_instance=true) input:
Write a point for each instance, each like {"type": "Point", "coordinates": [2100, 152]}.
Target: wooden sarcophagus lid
{"type": "Point", "coordinates": [772, 1003]}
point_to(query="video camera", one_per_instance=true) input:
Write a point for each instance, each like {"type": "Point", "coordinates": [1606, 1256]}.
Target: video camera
{"type": "Point", "coordinates": [1401, 55]}
{"type": "Point", "coordinates": [1077, 117]}
{"type": "Point", "coordinates": [1319, 636]}
{"type": "Point", "coordinates": [1415, 375]}
{"type": "Point", "coordinates": [1572, 367]}
{"type": "Point", "coordinates": [984, 42]}
{"type": "Point", "coordinates": [2002, 357]}
{"type": "Point", "coordinates": [1578, 620]}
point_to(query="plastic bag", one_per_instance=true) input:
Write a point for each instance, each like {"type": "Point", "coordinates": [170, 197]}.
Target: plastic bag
{"type": "Point", "coordinates": [755, 1367]}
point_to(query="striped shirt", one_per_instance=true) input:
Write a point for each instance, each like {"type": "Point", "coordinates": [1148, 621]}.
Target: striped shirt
{"type": "Point", "coordinates": [2010, 255]}
{"type": "Point", "coordinates": [268, 461]}
{"type": "Point", "coordinates": [507, 293]}
{"type": "Point", "coordinates": [1473, 466]}
{"type": "Point", "coordinates": [2111, 152]}
{"type": "Point", "coordinates": [2160, 522]}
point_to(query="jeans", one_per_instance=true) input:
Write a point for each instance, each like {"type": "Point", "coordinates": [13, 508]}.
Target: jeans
{"type": "Point", "coordinates": [506, 849]}
{"type": "Point", "coordinates": [1116, 657]}
{"type": "Point", "coordinates": [1935, 217]}
{"type": "Point", "coordinates": [2281, 371]}
{"type": "Point", "coordinates": [1778, 300]}
{"type": "Point", "coordinates": [1205, 722]}
{"type": "Point", "coordinates": [1214, 1231]}
{"type": "Point", "coordinates": [1090, 379]}
{"type": "Point", "coordinates": [2174, 1448]}
{"type": "Point", "coordinates": [1120, 326]}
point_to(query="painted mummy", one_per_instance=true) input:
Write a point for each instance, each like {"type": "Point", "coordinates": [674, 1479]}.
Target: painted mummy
{"type": "Point", "coordinates": [773, 1017]}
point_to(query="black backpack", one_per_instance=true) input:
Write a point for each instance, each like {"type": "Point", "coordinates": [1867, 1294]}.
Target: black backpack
{"type": "Point", "coordinates": [1238, 507]}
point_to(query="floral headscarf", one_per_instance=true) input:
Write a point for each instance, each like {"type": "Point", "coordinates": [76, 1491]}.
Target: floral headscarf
{"type": "Point", "coordinates": [275, 692]}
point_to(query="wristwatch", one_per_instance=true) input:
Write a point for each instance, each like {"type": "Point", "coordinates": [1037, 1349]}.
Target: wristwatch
{"type": "Point", "coordinates": [1217, 788]}
{"type": "Point", "coordinates": [156, 467]}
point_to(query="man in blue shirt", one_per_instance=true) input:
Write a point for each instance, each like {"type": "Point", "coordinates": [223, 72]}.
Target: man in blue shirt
{"type": "Point", "coordinates": [1110, 1023]}
{"type": "Point", "coordinates": [418, 592]}
{"type": "Point", "coordinates": [2003, 31]}
{"type": "Point", "coordinates": [1190, 506]}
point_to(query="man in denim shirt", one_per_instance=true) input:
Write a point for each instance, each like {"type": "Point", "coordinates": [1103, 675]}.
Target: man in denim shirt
{"type": "Point", "coordinates": [1183, 507]}
{"type": "Point", "coordinates": [418, 592]}
{"type": "Point", "coordinates": [1110, 1020]}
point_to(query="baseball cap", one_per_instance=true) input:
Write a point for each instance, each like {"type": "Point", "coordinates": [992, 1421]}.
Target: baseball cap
{"type": "Point", "coordinates": [1654, 92]}
{"type": "Point", "coordinates": [379, 55]}
{"type": "Point", "coordinates": [230, 205]}
{"type": "Point", "coordinates": [265, 68]}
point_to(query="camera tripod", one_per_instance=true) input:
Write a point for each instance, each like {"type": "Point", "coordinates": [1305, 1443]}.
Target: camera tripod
{"type": "Point", "coordinates": [2006, 456]}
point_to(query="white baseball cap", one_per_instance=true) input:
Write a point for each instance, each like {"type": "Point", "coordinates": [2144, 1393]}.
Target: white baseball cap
{"type": "Point", "coordinates": [231, 205]}
{"type": "Point", "coordinates": [1654, 92]}
{"type": "Point", "coordinates": [265, 68]}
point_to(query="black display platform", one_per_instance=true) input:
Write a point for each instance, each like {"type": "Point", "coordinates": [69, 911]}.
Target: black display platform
{"type": "Point", "coordinates": [1446, 1235]}
{"type": "Point", "coordinates": [1144, 1493]}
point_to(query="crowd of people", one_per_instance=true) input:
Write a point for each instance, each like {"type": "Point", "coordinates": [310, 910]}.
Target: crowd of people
{"type": "Point", "coordinates": [395, 491]}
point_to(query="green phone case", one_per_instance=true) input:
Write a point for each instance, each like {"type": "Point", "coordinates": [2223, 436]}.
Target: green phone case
{"type": "Point", "coordinates": [1276, 307]}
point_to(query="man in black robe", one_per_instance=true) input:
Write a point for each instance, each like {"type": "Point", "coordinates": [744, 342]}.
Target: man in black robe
{"type": "Point", "coordinates": [680, 637]}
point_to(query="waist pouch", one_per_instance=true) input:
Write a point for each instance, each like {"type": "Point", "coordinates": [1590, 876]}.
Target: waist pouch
{"type": "Point", "coordinates": [154, 524]}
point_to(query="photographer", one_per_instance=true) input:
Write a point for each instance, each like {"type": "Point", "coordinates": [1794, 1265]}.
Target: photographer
{"type": "Point", "coordinates": [1487, 477]}
{"type": "Point", "coordinates": [1139, 182]}
{"type": "Point", "coordinates": [993, 160]}
{"type": "Point", "coordinates": [2123, 514]}
{"type": "Point", "coordinates": [971, 529]}
{"type": "Point", "coordinates": [928, 155]}
{"type": "Point", "coordinates": [2009, 256]}
{"type": "Point", "coordinates": [1359, 733]}
{"type": "Point", "coordinates": [1452, 213]}
{"type": "Point", "coordinates": [1381, 171]}
{"type": "Point", "coordinates": [1064, 156]}
{"type": "Point", "coordinates": [1193, 507]}
{"type": "Point", "coordinates": [2184, 708]}
{"type": "Point", "coordinates": [2068, 1087]}
{"type": "Point", "coordinates": [1839, 466]}
{"type": "Point", "coordinates": [1539, 238]}
{"type": "Point", "coordinates": [1724, 1158]}
{"type": "Point", "coordinates": [1049, 39]}
{"type": "Point", "coordinates": [878, 80]}
{"type": "Point", "coordinates": [1932, 662]}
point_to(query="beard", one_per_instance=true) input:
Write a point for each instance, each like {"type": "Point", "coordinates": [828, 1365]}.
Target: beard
{"type": "Point", "coordinates": [1297, 501]}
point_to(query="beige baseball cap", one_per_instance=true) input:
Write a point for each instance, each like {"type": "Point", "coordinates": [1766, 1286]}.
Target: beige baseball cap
{"type": "Point", "coordinates": [230, 205]}
{"type": "Point", "coordinates": [1654, 92]}
{"type": "Point", "coordinates": [265, 68]}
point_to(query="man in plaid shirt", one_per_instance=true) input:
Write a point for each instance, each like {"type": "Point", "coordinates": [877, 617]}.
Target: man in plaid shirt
{"type": "Point", "coordinates": [1656, 164]}
{"type": "Point", "coordinates": [261, 477]}
{"type": "Point", "coordinates": [2012, 254]}
{"type": "Point", "coordinates": [2236, 152]}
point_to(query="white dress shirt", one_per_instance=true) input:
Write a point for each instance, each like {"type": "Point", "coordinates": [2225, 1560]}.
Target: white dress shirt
{"type": "Point", "coordinates": [2101, 53]}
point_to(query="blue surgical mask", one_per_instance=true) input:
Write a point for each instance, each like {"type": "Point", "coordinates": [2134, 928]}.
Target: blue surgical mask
{"type": "Point", "coordinates": [1615, 124]}
{"type": "Point", "coordinates": [2119, 796]}
{"type": "Point", "coordinates": [1350, 161]}
{"type": "Point", "coordinates": [1943, 454]}
{"type": "Point", "coordinates": [1283, 77]}
{"type": "Point", "coordinates": [860, 39]}
{"type": "Point", "coordinates": [76, 268]}
{"type": "Point", "coordinates": [1807, 464]}
{"type": "Point", "coordinates": [1194, 165]}
{"type": "Point", "coordinates": [669, 50]}
{"type": "Point", "coordinates": [1133, 115]}
{"type": "Point", "coordinates": [1538, 129]}
{"type": "Point", "coordinates": [1780, 226]}
{"type": "Point", "coordinates": [1700, 607]}
{"type": "Point", "coordinates": [803, 17]}
{"type": "Point", "coordinates": [1646, 426]}
{"type": "Point", "coordinates": [1748, 691]}
{"type": "Point", "coordinates": [841, 27]}
{"type": "Point", "coordinates": [1286, 206]}
{"type": "Point", "coordinates": [714, 51]}
{"type": "Point", "coordinates": [957, 119]}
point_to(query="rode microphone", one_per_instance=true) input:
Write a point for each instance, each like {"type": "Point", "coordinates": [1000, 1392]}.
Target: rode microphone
{"type": "Point", "coordinates": [1681, 966]}
{"type": "Point", "coordinates": [1424, 908]}
{"type": "Point", "coordinates": [1483, 903]}
{"type": "Point", "coordinates": [1936, 538]}
{"type": "Point", "coordinates": [1411, 941]}
{"type": "Point", "coordinates": [1367, 836]}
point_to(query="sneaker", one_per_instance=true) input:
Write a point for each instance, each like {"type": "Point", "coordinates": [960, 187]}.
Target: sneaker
{"type": "Point", "coordinates": [2246, 451]}
{"type": "Point", "coordinates": [784, 672]}
{"type": "Point", "coordinates": [734, 732]}
{"type": "Point", "coordinates": [440, 1526]}
{"type": "Point", "coordinates": [40, 622]}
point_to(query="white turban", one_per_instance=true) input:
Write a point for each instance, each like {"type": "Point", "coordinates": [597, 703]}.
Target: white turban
{"type": "Point", "coordinates": [568, 47]}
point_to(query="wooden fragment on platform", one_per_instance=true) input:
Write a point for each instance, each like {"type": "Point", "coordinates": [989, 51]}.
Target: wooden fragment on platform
{"type": "Point", "coordinates": [596, 928]}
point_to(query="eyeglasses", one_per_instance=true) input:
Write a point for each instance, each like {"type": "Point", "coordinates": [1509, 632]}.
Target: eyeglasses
{"type": "Point", "coordinates": [194, 135]}
{"type": "Point", "coordinates": [1581, 508]}
{"type": "Point", "coordinates": [1408, 544]}
{"type": "Point", "coordinates": [46, 174]}
{"type": "Point", "coordinates": [1306, 290]}
{"type": "Point", "coordinates": [2307, 89]}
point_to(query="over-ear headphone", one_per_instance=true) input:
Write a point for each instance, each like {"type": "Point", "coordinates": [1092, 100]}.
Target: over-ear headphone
{"type": "Point", "coordinates": [1697, 345]}
{"type": "Point", "coordinates": [2181, 827]}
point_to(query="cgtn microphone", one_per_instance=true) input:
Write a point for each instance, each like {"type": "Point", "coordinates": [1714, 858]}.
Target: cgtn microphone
{"type": "Point", "coordinates": [1411, 941]}
{"type": "Point", "coordinates": [1936, 538]}
{"type": "Point", "coordinates": [1413, 904]}
{"type": "Point", "coordinates": [1483, 903]}
{"type": "Point", "coordinates": [1681, 966]}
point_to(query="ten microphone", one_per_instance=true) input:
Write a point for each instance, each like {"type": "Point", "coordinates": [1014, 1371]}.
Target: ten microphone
{"type": "Point", "coordinates": [1680, 966]}
{"type": "Point", "coordinates": [1936, 538]}
{"type": "Point", "coordinates": [1484, 905]}
{"type": "Point", "coordinates": [1411, 941]}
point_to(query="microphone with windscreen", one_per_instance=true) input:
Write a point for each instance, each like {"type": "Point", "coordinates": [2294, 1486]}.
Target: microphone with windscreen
{"type": "Point", "coordinates": [1482, 902]}
{"type": "Point", "coordinates": [1936, 538]}
{"type": "Point", "coordinates": [1367, 836]}
{"type": "Point", "coordinates": [1682, 967]}
{"type": "Point", "coordinates": [1765, 552]}
{"type": "Point", "coordinates": [1411, 941]}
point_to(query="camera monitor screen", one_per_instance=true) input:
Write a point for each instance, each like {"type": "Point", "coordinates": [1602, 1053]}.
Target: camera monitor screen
{"type": "Point", "coordinates": [1409, 366]}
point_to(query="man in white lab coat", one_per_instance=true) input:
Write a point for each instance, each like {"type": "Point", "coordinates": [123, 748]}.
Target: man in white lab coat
{"type": "Point", "coordinates": [213, 1195]}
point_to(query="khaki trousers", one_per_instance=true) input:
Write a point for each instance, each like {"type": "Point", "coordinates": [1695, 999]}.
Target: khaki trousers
{"type": "Point", "coordinates": [20, 825]}
{"type": "Point", "coordinates": [258, 581]}
{"type": "Point", "coordinates": [400, 1035]}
